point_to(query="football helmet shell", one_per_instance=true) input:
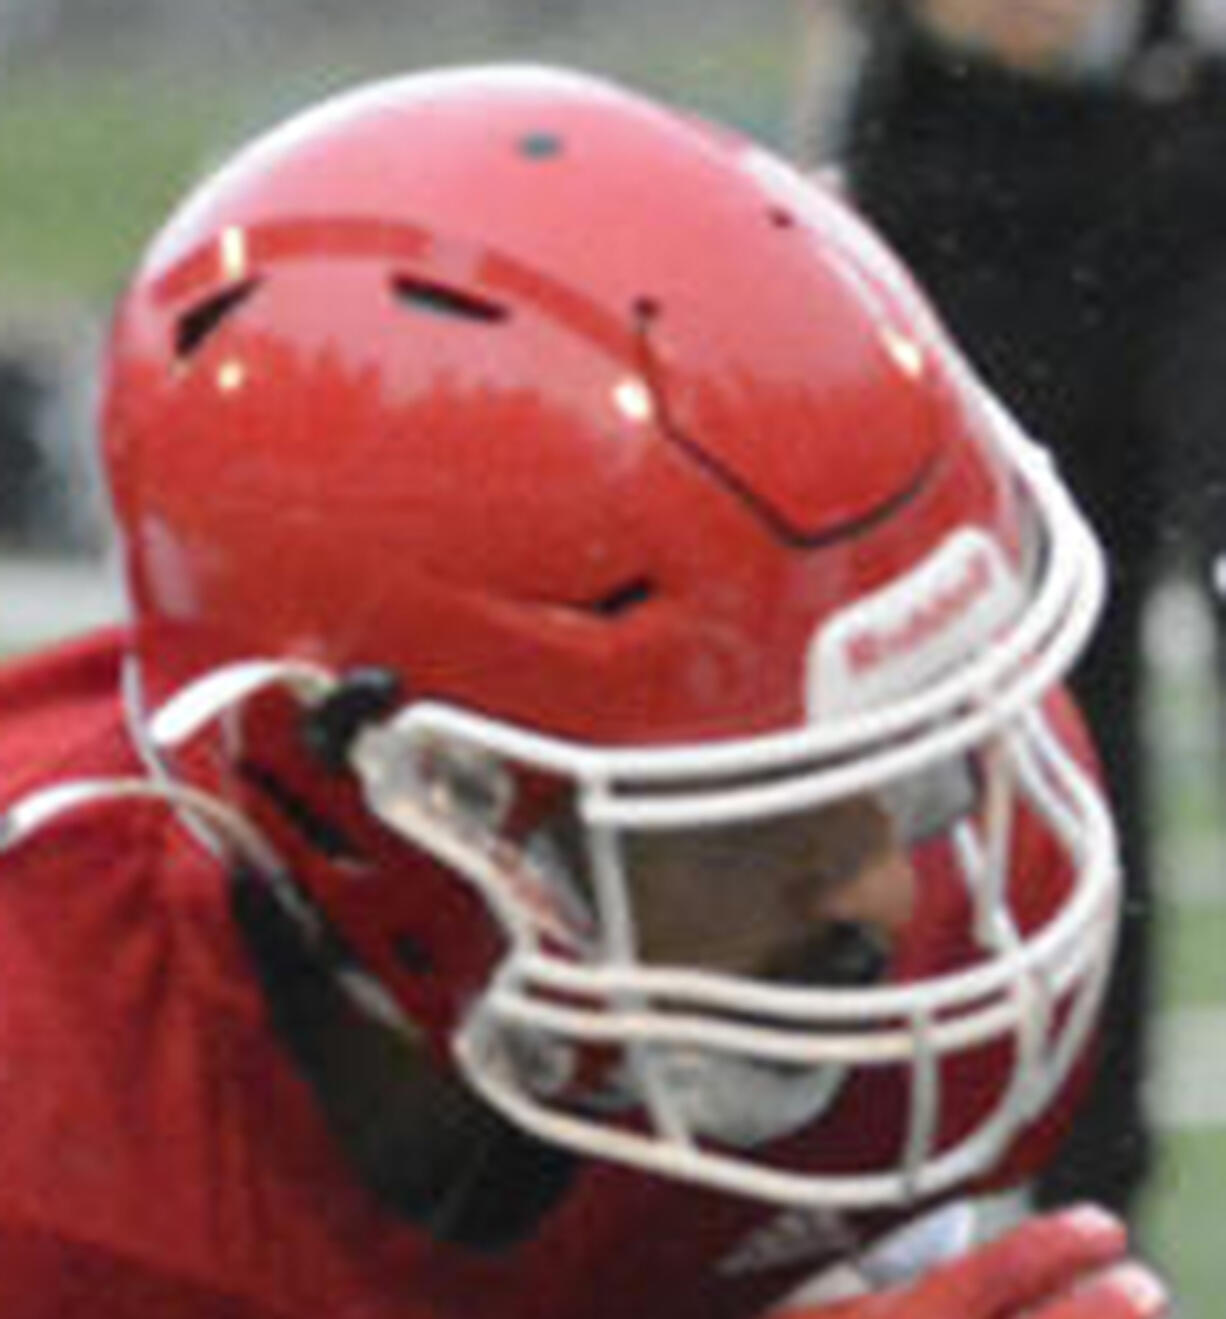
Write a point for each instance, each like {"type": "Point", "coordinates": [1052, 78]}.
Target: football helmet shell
{"type": "Point", "coordinates": [652, 480]}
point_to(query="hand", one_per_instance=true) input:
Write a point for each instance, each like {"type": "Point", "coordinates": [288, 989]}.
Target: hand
{"type": "Point", "coordinates": [1068, 1265]}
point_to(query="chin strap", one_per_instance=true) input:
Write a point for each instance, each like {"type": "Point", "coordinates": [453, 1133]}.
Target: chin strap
{"type": "Point", "coordinates": [37, 810]}
{"type": "Point", "coordinates": [219, 826]}
{"type": "Point", "coordinates": [226, 830]}
{"type": "Point", "coordinates": [215, 823]}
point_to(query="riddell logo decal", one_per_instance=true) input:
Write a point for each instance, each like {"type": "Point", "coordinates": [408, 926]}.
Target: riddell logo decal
{"type": "Point", "coordinates": [902, 637]}
{"type": "Point", "coordinates": [877, 645]}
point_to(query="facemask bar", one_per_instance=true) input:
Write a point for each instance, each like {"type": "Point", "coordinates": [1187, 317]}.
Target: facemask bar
{"type": "Point", "coordinates": [1009, 999]}
{"type": "Point", "coordinates": [1042, 764]}
{"type": "Point", "coordinates": [616, 1001]}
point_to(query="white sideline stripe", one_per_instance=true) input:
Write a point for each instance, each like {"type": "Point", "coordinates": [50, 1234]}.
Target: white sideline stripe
{"type": "Point", "coordinates": [1188, 1085]}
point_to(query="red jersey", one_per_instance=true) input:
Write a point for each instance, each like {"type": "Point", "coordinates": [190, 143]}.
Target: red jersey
{"type": "Point", "coordinates": [159, 1154]}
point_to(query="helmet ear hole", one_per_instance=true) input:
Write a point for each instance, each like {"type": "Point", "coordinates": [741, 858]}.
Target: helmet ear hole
{"type": "Point", "coordinates": [363, 695]}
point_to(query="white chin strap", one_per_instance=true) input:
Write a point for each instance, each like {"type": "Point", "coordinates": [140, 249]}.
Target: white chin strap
{"type": "Point", "coordinates": [226, 831]}
{"type": "Point", "coordinates": [215, 823]}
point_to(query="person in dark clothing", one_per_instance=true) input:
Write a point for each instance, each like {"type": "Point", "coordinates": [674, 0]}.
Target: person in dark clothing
{"type": "Point", "coordinates": [21, 465]}
{"type": "Point", "coordinates": [1065, 206]}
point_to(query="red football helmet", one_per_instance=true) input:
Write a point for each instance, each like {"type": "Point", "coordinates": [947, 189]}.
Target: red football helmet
{"type": "Point", "coordinates": [517, 478]}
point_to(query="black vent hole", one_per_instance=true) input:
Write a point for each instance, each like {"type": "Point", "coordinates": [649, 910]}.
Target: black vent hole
{"type": "Point", "coordinates": [444, 300]}
{"type": "Point", "coordinates": [646, 310]}
{"type": "Point", "coordinates": [620, 601]}
{"type": "Point", "coordinates": [541, 145]}
{"type": "Point", "coordinates": [205, 318]}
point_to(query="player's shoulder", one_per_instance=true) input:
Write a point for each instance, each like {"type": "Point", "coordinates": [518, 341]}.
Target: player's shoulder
{"type": "Point", "coordinates": [60, 713]}
{"type": "Point", "coordinates": [62, 724]}
{"type": "Point", "coordinates": [125, 988]}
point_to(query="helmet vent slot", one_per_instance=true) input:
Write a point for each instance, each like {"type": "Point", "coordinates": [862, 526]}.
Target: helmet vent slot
{"type": "Point", "coordinates": [205, 318]}
{"type": "Point", "coordinates": [620, 601]}
{"type": "Point", "coordinates": [444, 300]}
{"type": "Point", "coordinates": [541, 145]}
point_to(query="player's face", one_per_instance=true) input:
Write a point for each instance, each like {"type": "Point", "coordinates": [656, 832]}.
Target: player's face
{"type": "Point", "coordinates": [817, 898]}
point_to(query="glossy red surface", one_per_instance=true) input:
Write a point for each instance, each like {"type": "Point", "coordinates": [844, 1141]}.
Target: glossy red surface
{"type": "Point", "coordinates": [503, 352]}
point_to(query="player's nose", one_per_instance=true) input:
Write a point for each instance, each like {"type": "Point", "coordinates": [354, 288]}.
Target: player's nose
{"type": "Point", "coordinates": [881, 894]}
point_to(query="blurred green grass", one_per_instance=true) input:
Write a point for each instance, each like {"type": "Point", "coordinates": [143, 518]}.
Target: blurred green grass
{"type": "Point", "coordinates": [1192, 959]}
{"type": "Point", "coordinates": [87, 166]}
{"type": "Point", "coordinates": [93, 155]}
{"type": "Point", "coordinates": [1182, 1225]}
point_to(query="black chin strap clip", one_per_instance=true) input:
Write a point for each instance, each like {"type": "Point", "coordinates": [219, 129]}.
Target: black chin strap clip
{"type": "Point", "coordinates": [362, 696]}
